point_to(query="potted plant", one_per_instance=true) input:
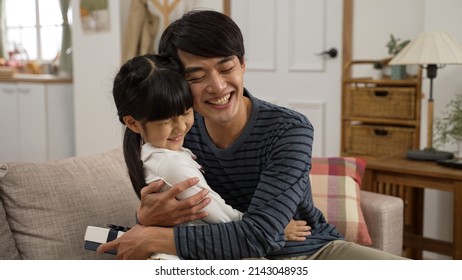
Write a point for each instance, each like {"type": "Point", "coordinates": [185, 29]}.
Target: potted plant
{"type": "Point", "coordinates": [377, 73]}
{"type": "Point", "coordinates": [395, 45]}
{"type": "Point", "coordinates": [448, 127]}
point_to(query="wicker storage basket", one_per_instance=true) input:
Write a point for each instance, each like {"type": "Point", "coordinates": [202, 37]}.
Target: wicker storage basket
{"type": "Point", "coordinates": [381, 102]}
{"type": "Point", "coordinates": [379, 140]}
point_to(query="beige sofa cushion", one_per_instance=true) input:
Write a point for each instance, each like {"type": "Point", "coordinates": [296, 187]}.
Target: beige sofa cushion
{"type": "Point", "coordinates": [7, 245]}
{"type": "Point", "coordinates": [49, 209]}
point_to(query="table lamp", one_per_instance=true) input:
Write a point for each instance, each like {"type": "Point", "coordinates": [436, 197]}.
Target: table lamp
{"type": "Point", "coordinates": [430, 50]}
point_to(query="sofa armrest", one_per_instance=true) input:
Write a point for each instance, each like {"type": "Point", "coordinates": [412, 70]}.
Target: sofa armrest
{"type": "Point", "coordinates": [384, 218]}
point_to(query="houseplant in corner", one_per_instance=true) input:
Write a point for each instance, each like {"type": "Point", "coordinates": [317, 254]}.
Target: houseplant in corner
{"type": "Point", "coordinates": [395, 45]}
{"type": "Point", "coordinates": [448, 127]}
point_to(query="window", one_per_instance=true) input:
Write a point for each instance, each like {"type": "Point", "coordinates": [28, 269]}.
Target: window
{"type": "Point", "coordinates": [33, 29]}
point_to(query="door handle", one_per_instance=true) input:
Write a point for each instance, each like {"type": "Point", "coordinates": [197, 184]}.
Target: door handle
{"type": "Point", "coordinates": [332, 53]}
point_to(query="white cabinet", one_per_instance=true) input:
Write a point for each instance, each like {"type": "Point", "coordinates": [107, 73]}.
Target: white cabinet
{"type": "Point", "coordinates": [32, 126]}
{"type": "Point", "coordinates": [36, 121]}
{"type": "Point", "coordinates": [9, 123]}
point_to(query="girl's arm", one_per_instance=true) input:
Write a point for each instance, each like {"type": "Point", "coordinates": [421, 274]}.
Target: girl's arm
{"type": "Point", "coordinates": [174, 170]}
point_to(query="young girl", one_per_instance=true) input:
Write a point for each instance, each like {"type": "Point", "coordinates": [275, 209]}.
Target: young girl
{"type": "Point", "coordinates": [154, 102]}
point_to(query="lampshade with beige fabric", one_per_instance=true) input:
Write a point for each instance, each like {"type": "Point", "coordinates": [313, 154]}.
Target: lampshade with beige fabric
{"type": "Point", "coordinates": [430, 50]}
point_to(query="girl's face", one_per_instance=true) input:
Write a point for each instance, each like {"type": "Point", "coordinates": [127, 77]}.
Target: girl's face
{"type": "Point", "coordinates": [168, 133]}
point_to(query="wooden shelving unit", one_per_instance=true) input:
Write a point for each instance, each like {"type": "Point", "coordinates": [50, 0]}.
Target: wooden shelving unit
{"type": "Point", "coordinates": [380, 117]}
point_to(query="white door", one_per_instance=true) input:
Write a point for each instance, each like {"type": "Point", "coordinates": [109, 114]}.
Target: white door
{"type": "Point", "coordinates": [284, 40]}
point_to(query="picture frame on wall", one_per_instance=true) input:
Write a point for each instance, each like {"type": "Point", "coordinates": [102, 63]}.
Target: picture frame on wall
{"type": "Point", "coordinates": [94, 16]}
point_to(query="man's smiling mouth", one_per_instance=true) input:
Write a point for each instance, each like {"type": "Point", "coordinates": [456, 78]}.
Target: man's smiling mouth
{"type": "Point", "coordinates": [222, 101]}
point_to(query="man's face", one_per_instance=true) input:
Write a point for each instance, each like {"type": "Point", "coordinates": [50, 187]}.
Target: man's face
{"type": "Point", "coordinates": [217, 87]}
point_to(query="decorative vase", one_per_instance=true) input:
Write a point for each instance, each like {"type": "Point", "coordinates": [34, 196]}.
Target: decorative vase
{"type": "Point", "coordinates": [377, 71]}
{"type": "Point", "coordinates": [398, 72]}
{"type": "Point", "coordinates": [377, 74]}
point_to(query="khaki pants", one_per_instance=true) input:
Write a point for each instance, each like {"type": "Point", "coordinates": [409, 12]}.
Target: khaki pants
{"type": "Point", "coordinates": [342, 250]}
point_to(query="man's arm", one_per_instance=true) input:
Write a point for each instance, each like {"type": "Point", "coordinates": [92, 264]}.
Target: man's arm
{"type": "Point", "coordinates": [163, 209]}
{"type": "Point", "coordinates": [139, 242]}
{"type": "Point", "coordinates": [174, 170]}
{"type": "Point", "coordinates": [142, 241]}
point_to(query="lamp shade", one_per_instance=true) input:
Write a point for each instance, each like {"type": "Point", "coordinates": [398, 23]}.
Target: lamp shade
{"type": "Point", "coordinates": [430, 48]}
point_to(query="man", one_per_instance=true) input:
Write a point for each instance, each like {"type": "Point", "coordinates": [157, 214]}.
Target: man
{"type": "Point", "coordinates": [256, 155]}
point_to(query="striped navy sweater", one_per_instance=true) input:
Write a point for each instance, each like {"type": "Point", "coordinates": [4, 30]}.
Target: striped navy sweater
{"type": "Point", "coordinates": [265, 175]}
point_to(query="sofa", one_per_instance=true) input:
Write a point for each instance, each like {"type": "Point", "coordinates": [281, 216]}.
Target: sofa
{"type": "Point", "coordinates": [45, 207]}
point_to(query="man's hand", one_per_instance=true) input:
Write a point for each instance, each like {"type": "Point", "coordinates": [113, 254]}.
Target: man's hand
{"type": "Point", "coordinates": [163, 209]}
{"type": "Point", "coordinates": [140, 242]}
{"type": "Point", "coordinates": [297, 230]}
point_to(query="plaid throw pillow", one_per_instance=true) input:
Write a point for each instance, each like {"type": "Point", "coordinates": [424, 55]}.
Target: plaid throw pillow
{"type": "Point", "coordinates": [335, 184]}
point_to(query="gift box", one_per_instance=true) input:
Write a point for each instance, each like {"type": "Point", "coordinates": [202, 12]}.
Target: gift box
{"type": "Point", "coordinates": [95, 236]}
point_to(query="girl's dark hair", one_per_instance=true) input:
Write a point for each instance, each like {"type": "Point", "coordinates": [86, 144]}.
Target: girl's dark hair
{"type": "Point", "coordinates": [203, 33]}
{"type": "Point", "coordinates": [148, 88]}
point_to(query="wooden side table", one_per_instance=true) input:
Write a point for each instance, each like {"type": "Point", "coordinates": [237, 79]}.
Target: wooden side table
{"type": "Point", "coordinates": [407, 179]}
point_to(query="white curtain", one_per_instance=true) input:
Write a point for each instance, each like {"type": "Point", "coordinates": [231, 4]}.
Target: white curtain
{"type": "Point", "coordinates": [65, 62]}
{"type": "Point", "coordinates": [2, 30]}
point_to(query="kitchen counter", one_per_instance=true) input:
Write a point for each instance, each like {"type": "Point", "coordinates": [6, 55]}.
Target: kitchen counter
{"type": "Point", "coordinates": [34, 78]}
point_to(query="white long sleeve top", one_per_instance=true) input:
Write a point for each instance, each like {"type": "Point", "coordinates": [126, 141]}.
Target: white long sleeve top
{"type": "Point", "coordinates": [174, 167]}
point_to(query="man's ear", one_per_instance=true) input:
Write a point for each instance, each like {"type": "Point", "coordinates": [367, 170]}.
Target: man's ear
{"type": "Point", "coordinates": [132, 124]}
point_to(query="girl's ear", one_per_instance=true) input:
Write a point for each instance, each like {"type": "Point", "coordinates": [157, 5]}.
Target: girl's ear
{"type": "Point", "coordinates": [132, 124]}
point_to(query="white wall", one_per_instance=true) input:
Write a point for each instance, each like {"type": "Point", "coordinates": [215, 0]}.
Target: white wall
{"type": "Point", "coordinates": [96, 59]}
{"type": "Point", "coordinates": [374, 21]}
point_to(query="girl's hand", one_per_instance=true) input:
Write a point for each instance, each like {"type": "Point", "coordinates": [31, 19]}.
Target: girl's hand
{"type": "Point", "coordinates": [297, 230]}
